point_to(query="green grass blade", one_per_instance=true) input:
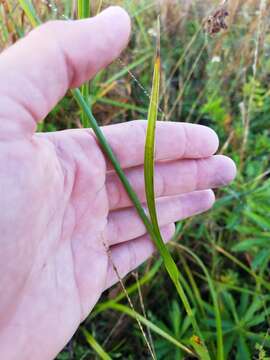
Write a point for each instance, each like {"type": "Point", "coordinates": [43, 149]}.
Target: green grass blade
{"type": "Point", "coordinates": [95, 345]}
{"type": "Point", "coordinates": [30, 12]}
{"type": "Point", "coordinates": [85, 94]}
{"type": "Point", "coordinates": [120, 105]}
{"type": "Point", "coordinates": [140, 23]}
{"type": "Point", "coordinates": [149, 171]}
{"type": "Point", "coordinates": [84, 12]}
{"type": "Point", "coordinates": [128, 68]}
{"type": "Point", "coordinates": [126, 310]}
{"type": "Point", "coordinates": [83, 7]}
{"type": "Point", "coordinates": [149, 162]}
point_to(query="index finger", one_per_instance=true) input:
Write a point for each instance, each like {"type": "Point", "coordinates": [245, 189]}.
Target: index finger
{"type": "Point", "coordinates": [174, 140]}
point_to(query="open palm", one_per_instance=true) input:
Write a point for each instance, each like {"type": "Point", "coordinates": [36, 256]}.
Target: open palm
{"type": "Point", "coordinates": [63, 209]}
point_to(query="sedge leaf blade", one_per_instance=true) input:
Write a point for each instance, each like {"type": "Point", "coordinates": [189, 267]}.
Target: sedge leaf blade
{"type": "Point", "coordinates": [149, 164]}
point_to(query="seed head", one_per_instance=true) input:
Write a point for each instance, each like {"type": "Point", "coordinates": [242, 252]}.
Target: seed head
{"type": "Point", "coordinates": [216, 21]}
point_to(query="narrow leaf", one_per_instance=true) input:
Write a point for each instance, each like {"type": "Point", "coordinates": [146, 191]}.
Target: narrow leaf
{"type": "Point", "coordinates": [83, 13]}
{"type": "Point", "coordinates": [126, 310]}
{"type": "Point", "coordinates": [95, 345]}
{"type": "Point", "coordinates": [30, 12]}
{"type": "Point", "coordinates": [149, 162]}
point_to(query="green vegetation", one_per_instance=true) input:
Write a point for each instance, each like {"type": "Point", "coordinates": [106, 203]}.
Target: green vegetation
{"type": "Point", "coordinates": [223, 256]}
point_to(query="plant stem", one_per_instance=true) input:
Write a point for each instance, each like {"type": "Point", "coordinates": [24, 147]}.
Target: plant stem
{"type": "Point", "coordinates": [84, 12]}
{"type": "Point", "coordinates": [108, 150]}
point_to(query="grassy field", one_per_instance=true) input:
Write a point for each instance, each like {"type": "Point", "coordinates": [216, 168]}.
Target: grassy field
{"type": "Point", "coordinates": [221, 81]}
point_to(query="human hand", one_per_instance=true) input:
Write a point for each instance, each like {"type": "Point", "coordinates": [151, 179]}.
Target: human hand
{"type": "Point", "coordinates": [62, 205]}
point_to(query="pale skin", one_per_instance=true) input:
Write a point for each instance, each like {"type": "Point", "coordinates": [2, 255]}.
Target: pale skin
{"type": "Point", "coordinates": [62, 206]}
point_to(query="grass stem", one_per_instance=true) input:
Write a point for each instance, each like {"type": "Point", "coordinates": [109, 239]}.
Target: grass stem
{"type": "Point", "coordinates": [84, 11]}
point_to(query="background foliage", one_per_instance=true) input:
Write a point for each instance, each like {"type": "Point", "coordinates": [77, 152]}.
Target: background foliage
{"type": "Point", "coordinates": [221, 82]}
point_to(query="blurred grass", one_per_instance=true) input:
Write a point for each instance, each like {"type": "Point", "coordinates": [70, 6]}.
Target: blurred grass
{"type": "Point", "coordinates": [208, 81]}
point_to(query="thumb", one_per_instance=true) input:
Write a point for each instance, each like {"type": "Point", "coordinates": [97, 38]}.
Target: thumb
{"type": "Point", "coordinates": [37, 71]}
